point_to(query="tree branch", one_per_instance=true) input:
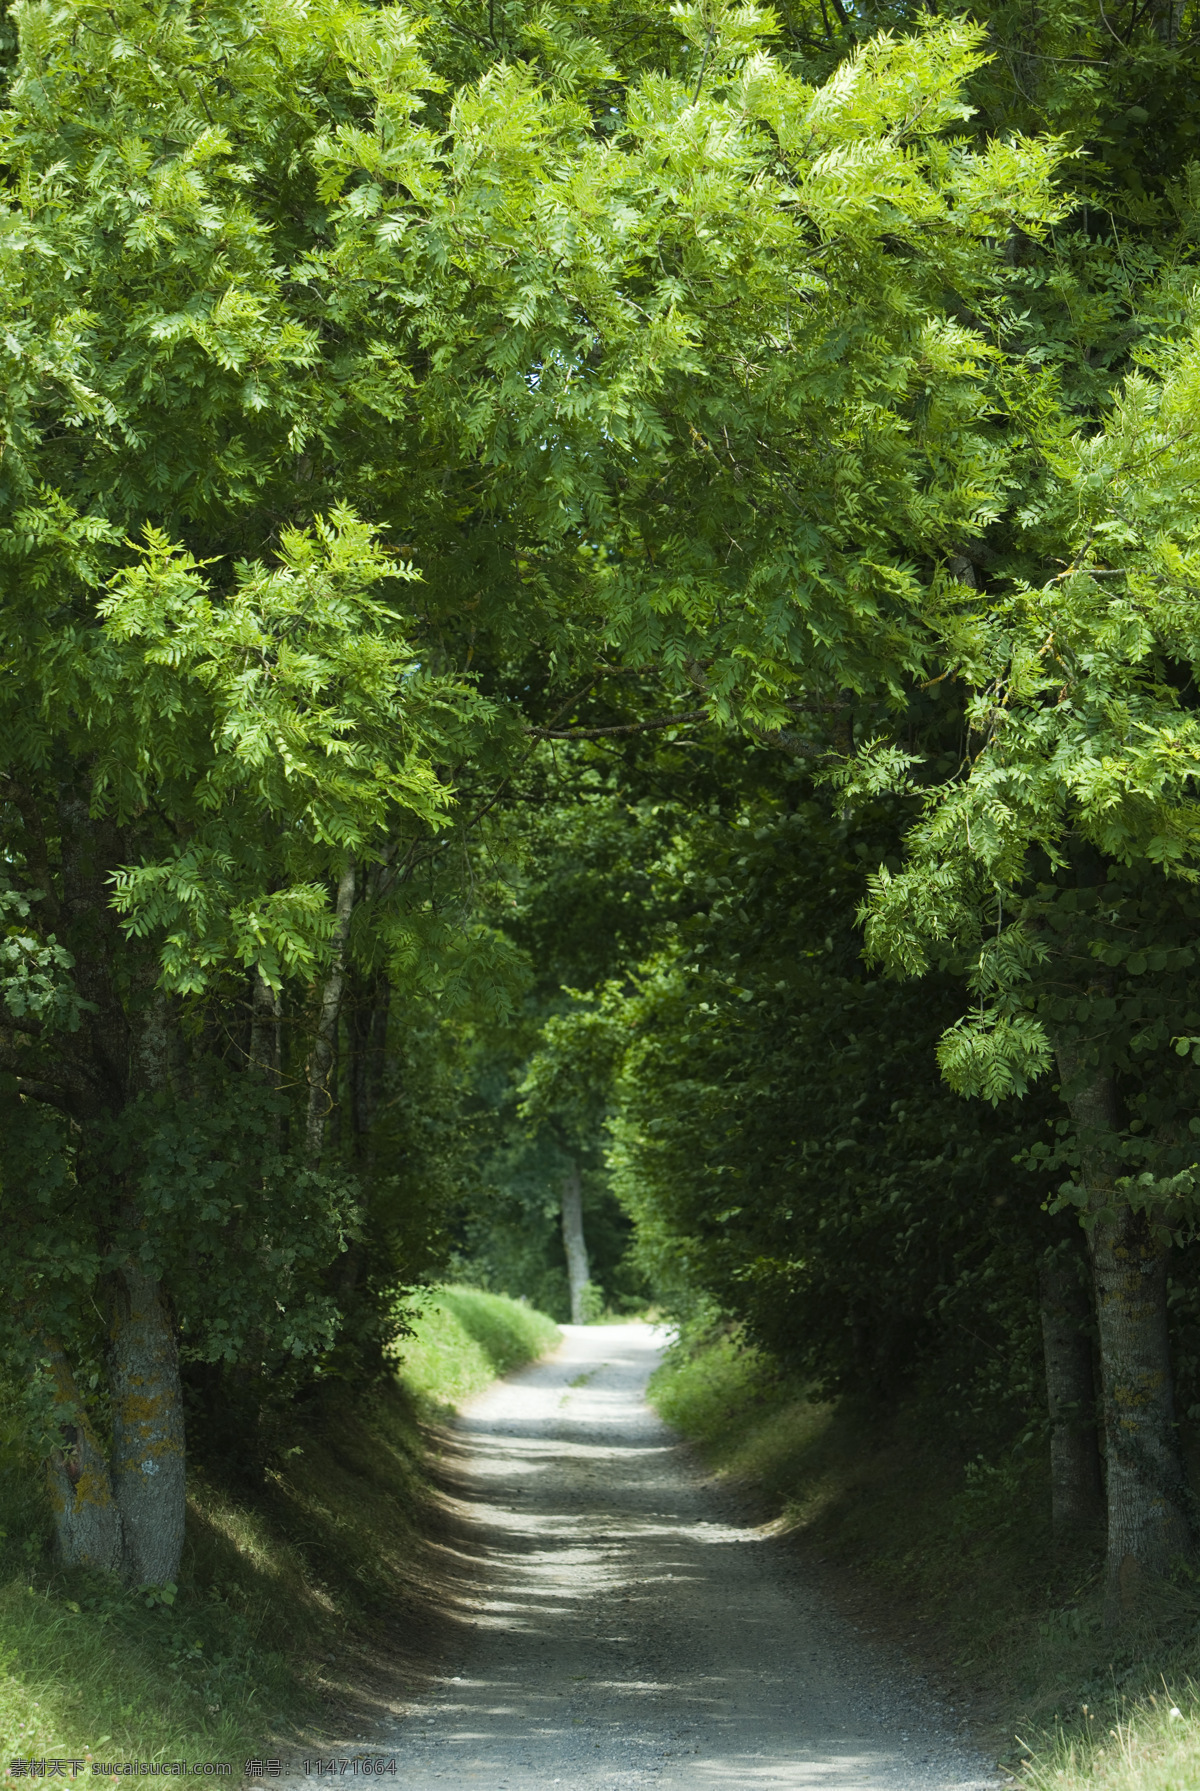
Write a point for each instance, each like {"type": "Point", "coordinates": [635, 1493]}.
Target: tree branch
{"type": "Point", "coordinates": [46, 1093]}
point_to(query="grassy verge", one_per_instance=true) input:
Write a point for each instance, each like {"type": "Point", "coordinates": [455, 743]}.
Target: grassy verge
{"type": "Point", "coordinates": [969, 1574]}
{"type": "Point", "coordinates": [463, 1338]}
{"type": "Point", "coordinates": [293, 1576]}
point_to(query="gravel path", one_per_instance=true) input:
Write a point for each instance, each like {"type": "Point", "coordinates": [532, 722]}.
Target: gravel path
{"type": "Point", "coordinates": [619, 1631]}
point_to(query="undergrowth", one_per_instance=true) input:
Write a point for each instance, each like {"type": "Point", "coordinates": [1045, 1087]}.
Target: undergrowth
{"type": "Point", "coordinates": [289, 1578]}
{"type": "Point", "coordinates": [973, 1579]}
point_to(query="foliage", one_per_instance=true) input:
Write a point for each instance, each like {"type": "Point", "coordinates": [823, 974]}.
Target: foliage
{"type": "Point", "coordinates": [787, 1149]}
{"type": "Point", "coordinates": [336, 391]}
{"type": "Point", "coordinates": [464, 470]}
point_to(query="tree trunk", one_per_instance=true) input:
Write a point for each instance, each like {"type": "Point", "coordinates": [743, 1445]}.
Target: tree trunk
{"type": "Point", "coordinates": [148, 1456]}
{"type": "Point", "coordinates": [321, 1061]}
{"type": "Point", "coordinates": [574, 1243]}
{"type": "Point", "coordinates": [1148, 1523]}
{"type": "Point", "coordinates": [126, 1514]}
{"type": "Point", "coordinates": [368, 1029]}
{"type": "Point", "coordinates": [147, 1425]}
{"type": "Point", "coordinates": [1166, 18]}
{"type": "Point", "coordinates": [264, 1060]}
{"type": "Point", "coordinates": [367, 1032]}
{"type": "Point", "coordinates": [87, 1520]}
{"type": "Point", "coordinates": [1076, 1482]}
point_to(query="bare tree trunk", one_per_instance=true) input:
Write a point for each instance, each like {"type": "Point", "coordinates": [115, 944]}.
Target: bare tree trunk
{"type": "Point", "coordinates": [1149, 1527]}
{"type": "Point", "coordinates": [321, 1061]}
{"type": "Point", "coordinates": [1166, 19]}
{"type": "Point", "coordinates": [87, 1520]}
{"type": "Point", "coordinates": [333, 1124]}
{"type": "Point", "coordinates": [367, 1027]}
{"type": "Point", "coordinates": [1076, 1482]}
{"type": "Point", "coordinates": [366, 1032]}
{"type": "Point", "coordinates": [574, 1243]}
{"type": "Point", "coordinates": [127, 1513]}
{"type": "Point", "coordinates": [147, 1422]}
{"type": "Point", "coordinates": [264, 1031]}
{"type": "Point", "coordinates": [148, 1456]}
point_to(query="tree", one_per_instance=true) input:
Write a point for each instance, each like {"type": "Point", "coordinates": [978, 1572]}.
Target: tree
{"type": "Point", "coordinates": [1041, 865]}
{"type": "Point", "coordinates": [216, 732]}
{"type": "Point", "coordinates": [326, 383]}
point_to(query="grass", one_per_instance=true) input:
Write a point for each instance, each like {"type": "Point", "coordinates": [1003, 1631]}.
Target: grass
{"type": "Point", "coordinates": [1153, 1745]}
{"type": "Point", "coordinates": [463, 1338]}
{"type": "Point", "coordinates": [293, 1579]}
{"type": "Point", "coordinates": [969, 1574]}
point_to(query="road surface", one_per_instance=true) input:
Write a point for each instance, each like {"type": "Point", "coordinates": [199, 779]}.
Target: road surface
{"type": "Point", "coordinates": [616, 1630]}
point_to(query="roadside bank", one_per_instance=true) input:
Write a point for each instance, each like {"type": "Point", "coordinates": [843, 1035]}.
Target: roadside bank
{"type": "Point", "coordinates": [954, 1560]}
{"type": "Point", "coordinates": [304, 1600]}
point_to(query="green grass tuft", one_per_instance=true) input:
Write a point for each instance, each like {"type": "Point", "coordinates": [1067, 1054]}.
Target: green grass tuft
{"type": "Point", "coordinates": [1153, 1744]}
{"type": "Point", "coordinates": [464, 1338]}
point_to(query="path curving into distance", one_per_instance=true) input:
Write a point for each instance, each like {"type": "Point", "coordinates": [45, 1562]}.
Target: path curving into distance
{"type": "Point", "coordinates": [618, 1631]}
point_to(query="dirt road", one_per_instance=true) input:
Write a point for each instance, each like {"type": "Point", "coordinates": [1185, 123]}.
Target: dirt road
{"type": "Point", "coordinates": [618, 1631]}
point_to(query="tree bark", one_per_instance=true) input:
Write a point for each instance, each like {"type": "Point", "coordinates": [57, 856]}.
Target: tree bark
{"type": "Point", "coordinates": [574, 1243]}
{"type": "Point", "coordinates": [1166, 19]}
{"type": "Point", "coordinates": [147, 1423]}
{"type": "Point", "coordinates": [148, 1457]}
{"type": "Point", "coordinates": [1076, 1481]}
{"type": "Point", "coordinates": [367, 1034]}
{"type": "Point", "coordinates": [125, 1514]}
{"type": "Point", "coordinates": [264, 1031]}
{"type": "Point", "coordinates": [87, 1519]}
{"type": "Point", "coordinates": [321, 1061]}
{"type": "Point", "coordinates": [368, 1029]}
{"type": "Point", "coordinates": [1149, 1527]}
